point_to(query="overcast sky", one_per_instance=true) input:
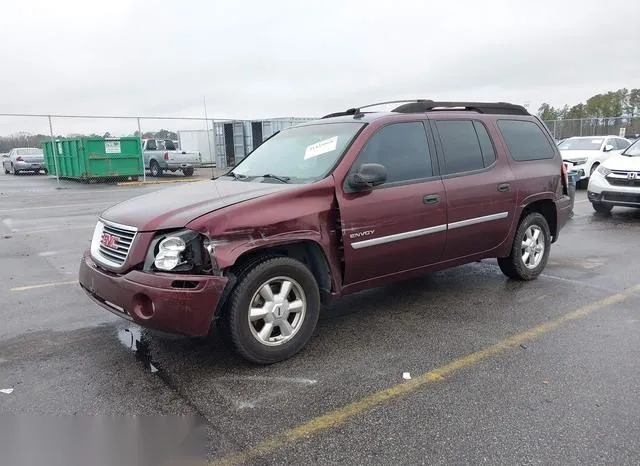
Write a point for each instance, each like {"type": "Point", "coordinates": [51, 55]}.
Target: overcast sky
{"type": "Point", "coordinates": [271, 58]}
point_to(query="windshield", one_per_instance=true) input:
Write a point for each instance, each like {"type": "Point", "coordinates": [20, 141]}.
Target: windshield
{"type": "Point", "coordinates": [581, 144]}
{"type": "Point", "coordinates": [633, 150]}
{"type": "Point", "coordinates": [29, 151]}
{"type": "Point", "coordinates": [299, 154]}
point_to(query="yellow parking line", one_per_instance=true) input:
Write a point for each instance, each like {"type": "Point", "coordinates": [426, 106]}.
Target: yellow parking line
{"type": "Point", "coordinates": [42, 285]}
{"type": "Point", "coordinates": [339, 416]}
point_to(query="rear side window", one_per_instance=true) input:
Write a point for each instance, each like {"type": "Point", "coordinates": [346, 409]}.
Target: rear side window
{"type": "Point", "coordinates": [465, 145]}
{"type": "Point", "coordinates": [402, 148]}
{"type": "Point", "coordinates": [525, 140]}
{"type": "Point", "coordinates": [488, 154]}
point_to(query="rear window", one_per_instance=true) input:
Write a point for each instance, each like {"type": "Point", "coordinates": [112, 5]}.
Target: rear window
{"type": "Point", "coordinates": [525, 140]}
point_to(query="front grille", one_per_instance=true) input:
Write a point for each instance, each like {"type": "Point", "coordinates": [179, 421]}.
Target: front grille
{"type": "Point", "coordinates": [621, 197]}
{"type": "Point", "coordinates": [111, 243]}
{"type": "Point", "coordinates": [621, 178]}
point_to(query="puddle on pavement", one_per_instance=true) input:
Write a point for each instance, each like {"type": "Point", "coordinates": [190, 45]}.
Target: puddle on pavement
{"type": "Point", "coordinates": [133, 339]}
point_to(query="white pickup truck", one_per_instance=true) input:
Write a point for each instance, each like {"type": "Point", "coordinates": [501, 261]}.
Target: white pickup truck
{"type": "Point", "coordinates": [161, 155]}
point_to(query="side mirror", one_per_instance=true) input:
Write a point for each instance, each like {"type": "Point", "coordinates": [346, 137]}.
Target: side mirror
{"type": "Point", "coordinates": [367, 176]}
{"type": "Point", "coordinates": [608, 148]}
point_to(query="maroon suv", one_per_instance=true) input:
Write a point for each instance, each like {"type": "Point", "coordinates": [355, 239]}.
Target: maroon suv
{"type": "Point", "coordinates": [350, 201]}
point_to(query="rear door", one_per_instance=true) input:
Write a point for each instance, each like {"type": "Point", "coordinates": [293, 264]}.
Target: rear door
{"type": "Point", "coordinates": [481, 196]}
{"type": "Point", "coordinates": [400, 225]}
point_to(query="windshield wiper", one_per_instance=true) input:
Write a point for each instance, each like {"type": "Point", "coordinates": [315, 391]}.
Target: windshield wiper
{"type": "Point", "coordinates": [236, 176]}
{"type": "Point", "coordinates": [282, 179]}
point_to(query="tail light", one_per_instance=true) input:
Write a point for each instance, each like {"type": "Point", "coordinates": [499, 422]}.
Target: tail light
{"type": "Point", "coordinates": [565, 179]}
{"type": "Point", "coordinates": [19, 159]}
{"type": "Point", "coordinates": [166, 155]}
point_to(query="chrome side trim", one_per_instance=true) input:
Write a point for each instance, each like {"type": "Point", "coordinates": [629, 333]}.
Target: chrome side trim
{"type": "Point", "coordinates": [476, 220]}
{"type": "Point", "coordinates": [427, 231]}
{"type": "Point", "coordinates": [398, 236]}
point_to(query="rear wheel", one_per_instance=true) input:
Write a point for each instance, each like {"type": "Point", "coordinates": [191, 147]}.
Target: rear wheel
{"type": "Point", "coordinates": [273, 310]}
{"type": "Point", "coordinates": [530, 250]}
{"type": "Point", "coordinates": [155, 169]}
{"type": "Point", "coordinates": [602, 208]}
{"type": "Point", "coordinates": [188, 172]}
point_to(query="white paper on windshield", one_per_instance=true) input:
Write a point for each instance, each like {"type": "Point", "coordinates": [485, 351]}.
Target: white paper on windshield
{"type": "Point", "coordinates": [321, 147]}
{"type": "Point", "coordinates": [596, 141]}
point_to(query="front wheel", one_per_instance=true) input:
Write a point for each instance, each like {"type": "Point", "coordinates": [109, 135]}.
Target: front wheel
{"type": "Point", "coordinates": [530, 250]}
{"type": "Point", "coordinates": [273, 310]}
{"type": "Point", "coordinates": [602, 208]}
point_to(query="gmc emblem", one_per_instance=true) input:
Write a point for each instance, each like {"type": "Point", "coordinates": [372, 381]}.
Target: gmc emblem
{"type": "Point", "coordinates": [109, 241]}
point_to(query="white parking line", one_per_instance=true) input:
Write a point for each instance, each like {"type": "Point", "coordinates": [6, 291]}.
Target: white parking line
{"type": "Point", "coordinates": [42, 285]}
{"type": "Point", "coordinates": [64, 206]}
{"type": "Point", "coordinates": [48, 230]}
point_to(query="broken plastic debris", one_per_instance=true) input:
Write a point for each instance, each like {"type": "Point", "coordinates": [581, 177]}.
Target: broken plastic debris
{"type": "Point", "coordinates": [546, 382]}
{"type": "Point", "coordinates": [7, 391]}
{"type": "Point", "coordinates": [406, 376]}
{"type": "Point", "coordinates": [153, 368]}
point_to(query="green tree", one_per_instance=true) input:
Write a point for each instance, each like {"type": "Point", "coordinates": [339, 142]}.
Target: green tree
{"type": "Point", "coordinates": [546, 112]}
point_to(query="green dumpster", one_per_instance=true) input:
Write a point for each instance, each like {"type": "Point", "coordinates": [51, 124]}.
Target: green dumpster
{"type": "Point", "coordinates": [94, 158]}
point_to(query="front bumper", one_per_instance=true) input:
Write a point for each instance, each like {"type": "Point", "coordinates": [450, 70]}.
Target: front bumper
{"type": "Point", "coordinates": [28, 166]}
{"type": "Point", "coordinates": [600, 190]}
{"type": "Point", "coordinates": [173, 303]}
{"type": "Point", "coordinates": [581, 169]}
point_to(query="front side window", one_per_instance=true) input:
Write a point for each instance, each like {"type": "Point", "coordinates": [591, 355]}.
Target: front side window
{"type": "Point", "coordinates": [402, 148]}
{"type": "Point", "coordinates": [300, 154]}
{"type": "Point", "coordinates": [460, 146]}
{"type": "Point", "coordinates": [526, 141]}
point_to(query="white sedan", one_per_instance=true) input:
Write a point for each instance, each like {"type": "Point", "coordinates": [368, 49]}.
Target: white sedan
{"type": "Point", "coordinates": [585, 153]}
{"type": "Point", "coordinates": [616, 182]}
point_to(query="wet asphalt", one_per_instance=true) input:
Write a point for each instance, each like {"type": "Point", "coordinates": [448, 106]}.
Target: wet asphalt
{"type": "Point", "coordinates": [568, 396]}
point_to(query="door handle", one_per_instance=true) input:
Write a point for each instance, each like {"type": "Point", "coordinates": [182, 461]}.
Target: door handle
{"type": "Point", "coordinates": [431, 199]}
{"type": "Point", "coordinates": [504, 187]}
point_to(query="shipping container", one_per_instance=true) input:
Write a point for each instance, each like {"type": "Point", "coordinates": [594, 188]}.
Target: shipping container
{"type": "Point", "coordinates": [94, 158]}
{"type": "Point", "coordinates": [233, 139]}
{"type": "Point", "coordinates": [199, 141]}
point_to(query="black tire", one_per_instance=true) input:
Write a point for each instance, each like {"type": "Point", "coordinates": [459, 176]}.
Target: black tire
{"type": "Point", "coordinates": [14, 171]}
{"type": "Point", "coordinates": [602, 208]}
{"type": "Point", "coordinates": [6, 171]}
{"type": "Point", "coordinates": [188, 172]}
{"type": "Point", "coordinates": [513, 266]}
{"type": "Point", "coordinates": [594, 167]}
{"type": "Point", "coordinates": [239, 303]}
{"type": "Point", "coordinates": [155, 169]}
{"type": "Point", "coordinates": [45, 171]}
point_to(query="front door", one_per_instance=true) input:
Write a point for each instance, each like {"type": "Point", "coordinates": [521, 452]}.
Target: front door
{"type": "Point", "coordinates": [401, 224]}
{"type": "Point", "coordinates": [481, 194]}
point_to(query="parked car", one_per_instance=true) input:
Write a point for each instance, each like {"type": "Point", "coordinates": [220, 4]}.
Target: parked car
{"type": "Point", "coordinates": [616, 182]}
{"type": "Point", "coordinates": [585, 153]}
{"type": "Point", "coordinates": [328, 208]}
{"type": "Point", "coordinates": [161, 155]}
{"type": "Point", "coordinates": [24, 159]}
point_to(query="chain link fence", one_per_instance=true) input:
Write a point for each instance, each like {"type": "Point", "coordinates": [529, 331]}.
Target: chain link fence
{"type": "Point", "coordinates": [619, 126]}
{"type": "Point", "coordinates": [74, 150]}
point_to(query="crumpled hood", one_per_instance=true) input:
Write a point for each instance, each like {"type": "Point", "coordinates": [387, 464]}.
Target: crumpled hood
{"type": "Point", "coordinates": [622, 162]}
{"type": "Point", "coordinates": [176, 206]}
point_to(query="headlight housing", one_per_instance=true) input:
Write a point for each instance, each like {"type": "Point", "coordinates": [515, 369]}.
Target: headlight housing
{"type": "Point", "coordinates": [579, 161]}
{"type": "Point", "coordinates": [182, 251]}
{"type": "Point", "coordinates": [604, 171]}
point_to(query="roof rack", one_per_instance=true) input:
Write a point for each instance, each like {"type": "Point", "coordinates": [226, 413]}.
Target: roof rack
{"type": "Point", "coordinates": [420, 106]}
{"type": "Point", "coordinates": [423, 105]}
